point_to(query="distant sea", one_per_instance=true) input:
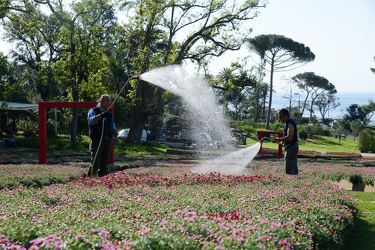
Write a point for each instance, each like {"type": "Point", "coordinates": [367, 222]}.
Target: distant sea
{"type": "Point", "coordinates": [346, 99]}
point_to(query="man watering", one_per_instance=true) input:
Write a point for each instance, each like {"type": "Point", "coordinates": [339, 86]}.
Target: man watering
{"type": "Point", "coordinates": [101, 129]}
{"type": "Point", "coordinates": [290, 141]}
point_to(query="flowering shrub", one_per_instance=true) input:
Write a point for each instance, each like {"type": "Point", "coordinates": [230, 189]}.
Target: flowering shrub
{"type": "Point", "coordinates": [333, 170]}
{"type": "Point", "coordinates": [30, 175]}
{"type": "Point", "coordinates": [171, 208]}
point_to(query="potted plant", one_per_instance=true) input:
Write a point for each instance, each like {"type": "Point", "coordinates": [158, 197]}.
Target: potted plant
{"type": "Point", "coordinates": [357, 181]}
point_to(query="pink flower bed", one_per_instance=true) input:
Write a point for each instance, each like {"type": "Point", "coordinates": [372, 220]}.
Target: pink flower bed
{"type": "Point", "coordinates": [169, 207]}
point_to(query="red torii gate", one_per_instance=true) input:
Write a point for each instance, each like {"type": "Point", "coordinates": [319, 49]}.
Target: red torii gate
{"type": "Point", "coordinates": [43, 106]}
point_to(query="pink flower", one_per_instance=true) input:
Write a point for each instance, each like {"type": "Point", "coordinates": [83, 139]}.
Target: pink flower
{"type": "Point", "coordinates": [70, 216]}
{"type": "Point", "coordinates": [248, 222]}
{"type": "Point", "coordinates": [190, 219]}
{"type": "Point", "coordinates": [264, 238]}
{"type": "Point", "coordinates": [252, 228]}
{"type": "Point", "coordinates": [144, 232]}
{"type": "Point", "coordinates": [36, 220]}
{"type": "Point", "coordinates": [284, 243]}
{"type": "Point", "coordinates": [164, 222]}
{"type": "Point", "coordinates": [239, 239]}
{"type": "Point", "coordinates": [104, 233]}
{"type": "Point", "coordinates": [36, 241]}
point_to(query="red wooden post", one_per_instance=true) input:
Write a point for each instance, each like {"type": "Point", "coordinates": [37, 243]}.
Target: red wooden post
{"type": "Point", "coordinates": [43, 124]}
{"type": "Point", "coordinates": [42, 133]}
{"type": "Point", "coordinates": [262, 133]}
{"type": "Point", "coordinates": [260, 136]}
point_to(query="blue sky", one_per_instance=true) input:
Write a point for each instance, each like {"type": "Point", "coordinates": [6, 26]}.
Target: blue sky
{"type": "Point", "coordinates": [339, 32]}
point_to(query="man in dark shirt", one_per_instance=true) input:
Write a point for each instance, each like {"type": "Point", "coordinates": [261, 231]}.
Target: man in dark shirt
{"type": "Point", "coordinates": [101, 129]}
{"type": "Point", "coordinates": [290, 141]}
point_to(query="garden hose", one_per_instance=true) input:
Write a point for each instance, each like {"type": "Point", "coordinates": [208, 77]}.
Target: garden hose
{"type": "Point", "coordinates": [97, 150]}
{"type": "Point", "coordinates": [126, 83]}
{"type": "Point", "coordinates": [101, 137]}
{"type": "Point", "coordinates": [265, 138]}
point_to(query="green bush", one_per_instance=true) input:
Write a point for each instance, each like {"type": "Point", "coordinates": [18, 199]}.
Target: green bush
{"type": "Point", "coordinates": [277, 126]}
{"type": "Point", "coordinates": [302, 135]}
{"type": "Point", "coordinates": [366, 141]}
{"type": "Point", "coordinates": [248, 129]}
{"type": "Point", "coordinates": [355, 179]}
{"type": "Point", "coordinates": [337, 176]}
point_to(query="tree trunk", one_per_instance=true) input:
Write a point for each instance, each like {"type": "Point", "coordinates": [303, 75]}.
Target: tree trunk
{"type": "Point", "coordinates": [140, 113]}
{"type": "Point", "coordinates": [270, 99]}
{"type": "Point", "coordinates": [3, 122]}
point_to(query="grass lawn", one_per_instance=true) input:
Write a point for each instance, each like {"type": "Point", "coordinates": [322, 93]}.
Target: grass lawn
{"type": "Point", "coordinates": [320, 144]}
{"type": "Point", "coordinates": [361, 235]}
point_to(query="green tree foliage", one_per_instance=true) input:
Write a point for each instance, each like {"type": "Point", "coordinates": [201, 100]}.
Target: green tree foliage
{"type": "Point", "coordinates": [356, 127]}
{"type": "Point", "coordinates": [369, 110]}
{"type": "Point", "coordinates": [77, 50]}
{"type": "Point", "coordinates": [281, 53]}
{"type": "Point", "coordinates": [373, 69]}
{"type": "Point", "coordinates": [366, 141]}
{"type": "Point", "coordinates": [83, 59]}
{"type": "Point", "coordinates": [326, 102]}
{"type": "Point", "coordinates": [4, 74]}
{"type": "Point", "coordinates": [355, 113]}
{"type": "Point", "coordinates": [314, 86]}
{"type": "Point", "coordinates": [188, 31]}
{"type": "Point", "coordinates": [235, 85]}
{"type": "Point", "coordinates": [4, 6]}
{"type": "Point", "coordinates": [62, 47]}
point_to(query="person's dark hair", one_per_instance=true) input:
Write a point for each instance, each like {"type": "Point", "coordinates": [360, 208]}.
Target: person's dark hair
{"type": "Point", "coordinates": [284, 112]}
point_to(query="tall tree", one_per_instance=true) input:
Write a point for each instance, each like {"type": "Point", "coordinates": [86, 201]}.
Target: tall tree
{"type": "Point", "coordinates": [4, 73]}
{"type": "Point", "coordinates": [314, 86]}
{"type": "Point", "coordinates": [290, 93]}
{"type": "Point", "coordinates": [257, 100]}
{"type": "Point", "coordinates": [281, 53]}
{"type": "Point", "coordinates": [236, 84]}
{"type": "Point", "coordinates": [63, 46]}
{"type": "Point", "coordinates": [355, 113]}
{"type": "Point", "coordinates": [4, 6]}
{"type": "Point", "coordinates": [373, 69]}
{"type": "Point", "coordinates": [326, 102]}
{"type": "Point", "coordinates": [31, 31]}
{"type": "Point", "coordinates": [193, 31]}
{"type": "Point", "coordinates": [369, 110]}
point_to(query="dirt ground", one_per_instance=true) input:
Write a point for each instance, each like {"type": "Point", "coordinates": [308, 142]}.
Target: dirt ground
{"type": "Point", "coordinates": [19, 155]}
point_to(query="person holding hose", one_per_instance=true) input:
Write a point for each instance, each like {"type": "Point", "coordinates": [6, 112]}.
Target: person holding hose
{"type": "Point", "coordinates": [101, 129]}
{"type": "Point", "coordinates": [290, 141]}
